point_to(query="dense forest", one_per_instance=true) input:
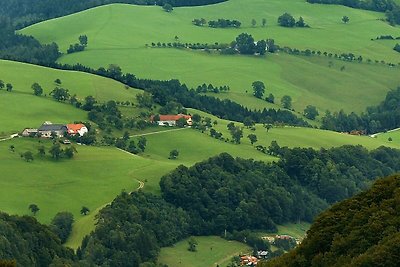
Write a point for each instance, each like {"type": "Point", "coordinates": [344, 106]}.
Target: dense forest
{"type": "Point", "coordinates": [218, 193]}
{"type": "Point", "coordinates": [27, 12]}
{"type": "Point", "coordinates": [384, 117]}
{"type": "Point", "coordinates": [391, 9]}
{"type": "Point", "coordinates": [24, 48]}
{"type": "Point", "coordinates": [361, 231]}
{"type": "Point", "coordinates": [30, 243]}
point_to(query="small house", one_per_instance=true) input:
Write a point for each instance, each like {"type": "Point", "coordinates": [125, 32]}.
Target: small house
{"type": "Point", "coordinates": [48, 128]}
{"type": "Point", "coordinates": [29, 132]}
{"type": "Point", "coordinates": [74, 129]}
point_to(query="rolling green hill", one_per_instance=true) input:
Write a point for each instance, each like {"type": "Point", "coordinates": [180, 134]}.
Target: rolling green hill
{"type": "Point", "coordinates": [22, 76]}
{"type": "Point", "coordinates": [21, 109]}
{"type": "Point", "coordinates": [118, 34]}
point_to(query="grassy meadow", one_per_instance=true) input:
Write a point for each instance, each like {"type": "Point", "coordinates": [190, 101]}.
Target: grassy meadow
{"type": "Point", "coordinates": [211, 250]}
{"type": "Point", "coordinates": [298, 136]}
{"type": "Point", "coordinates": [22, 76]}
{"type": "Point", "coordinates": [21, 110]}
{"type": "Point", "coordinates": [118, 34]}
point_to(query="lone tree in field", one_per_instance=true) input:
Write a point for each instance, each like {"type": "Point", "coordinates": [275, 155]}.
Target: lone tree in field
{"type": "Point", "coordinates": [168, 8]}
{"type": "Point", "coordinates": [192, 244]}
{"type": "Point", "coordinates": [33, 208]}
{"type": "Point", "coordinates": [311, 112]}
{"type": "Point", "coordinates": [264, 22]}
{"type": "Point", "coordinates": [85, 210]}
{"type": "Point", "coordinates": [253, 22]}
{"type": "Point", "coordinates": [42, 151]}
{"type": "Point", "coordinates": [345, 19]}
{"type": "Point", "coordinates": [28, 156]}
{"type": "Point", "coordinates": [57, 81]}
{"type": "Point", "coordinates": [258, 89]}
{"type": "Point", "coordinates": [173, 154]}
{"type": "Point", "coordinates": [60, 94]}
{"type": "Point", "coordinates": [83, 40]}
{"type": "Point", "coordinates": [12, 148]}
{"type": "Point", "coordinates": [1, 85]}
{"type": "Point", "coordinates": [56, 151]}
{"type": "Point", "coordinates": [245, 44]}
{"type": "Point", "coordinates": [252, 138]}
{"type": "Point", "coordinates": [9, 87]}
{"type": "Point", "coordinates": [286, 20]}
{"type": "Point", "coordinates": [286, 102]}
{"type": "Point", "coordinates": [37, 89]}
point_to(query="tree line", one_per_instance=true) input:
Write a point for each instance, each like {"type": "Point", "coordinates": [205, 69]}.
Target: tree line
{"type": "Point", "coordinates": [390, 7]}
{"type": "Point", "coordinates": [383, 117]}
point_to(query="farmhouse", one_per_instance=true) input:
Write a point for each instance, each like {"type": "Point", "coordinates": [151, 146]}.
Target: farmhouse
{"type": "Point", "coordinates": [29, 132]}
{"type": "Point", "coordinates": [48, 128]}
{"type": "Point", "coordinates": [170, 120]}
{"type": "Point", "coordinates": [74, 129]}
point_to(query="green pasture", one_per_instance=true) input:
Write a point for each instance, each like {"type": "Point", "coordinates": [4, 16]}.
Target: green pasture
{"type": "Point", "coordinates": [22, 76]}
{"type": "Point", "coordinates": [211, 250]}
{"type": "Point", "coordinates": [118, 34]}
{"type": "Point", "coordinates": [21, 110]}
{"type": "Point", "coordinates": [298, 136]}
{"type": "Point", "coordinates": [394, 135]}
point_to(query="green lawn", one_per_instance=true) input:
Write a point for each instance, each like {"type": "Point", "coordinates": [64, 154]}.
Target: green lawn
{"type": "Point", "coordinates": [21, 110]}
{"type": "Point", "coordinates": [118, 34]}
{"type": "Point", "coordinates": [211, 250]}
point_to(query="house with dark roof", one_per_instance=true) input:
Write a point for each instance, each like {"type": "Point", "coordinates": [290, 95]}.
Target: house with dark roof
{"type": "Point", "coordinates": [48, 128]}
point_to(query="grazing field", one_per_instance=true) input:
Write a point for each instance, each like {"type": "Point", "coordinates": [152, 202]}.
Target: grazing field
{"type": "Point", "coordinates": [211, 251]}
{"type": "Point", "coordinates": [22, 76]}
{"type": "Point", "coordinates": [394, 136]}
{"type": "Point", "coordinates": [118, 34]}
{"type": "Point", "coordinates": [298, 136]}
{"type": "Point", "coordinates": [21, 110]}
{"type": "Point", "coordinates": [92, 178]}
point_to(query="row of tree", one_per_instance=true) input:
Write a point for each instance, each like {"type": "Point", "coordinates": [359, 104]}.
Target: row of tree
{"type": "Point", "coordinates": [220, 23]}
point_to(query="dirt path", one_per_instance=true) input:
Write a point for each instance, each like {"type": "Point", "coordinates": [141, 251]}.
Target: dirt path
{"type": "Point", "coordinates": [166, 131]}
{"type": "Point", "coordinates": [8, 138]}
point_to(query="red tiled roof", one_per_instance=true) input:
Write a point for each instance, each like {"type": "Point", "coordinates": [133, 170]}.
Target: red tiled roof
{"type": "Point", "coordinates": [74, 128]}
{"type": "Point", "coordinates": [172, 117]}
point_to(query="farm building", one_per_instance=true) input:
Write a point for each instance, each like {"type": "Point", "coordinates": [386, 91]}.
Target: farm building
{"type": "Point", "coordinates": [170, 120]}
{"type": "Point", "coordinates": [48, 128]}
{"type": "Point", "coordinates": [29, 132]}
{"type": "Point", "coordinates": [74, 129]}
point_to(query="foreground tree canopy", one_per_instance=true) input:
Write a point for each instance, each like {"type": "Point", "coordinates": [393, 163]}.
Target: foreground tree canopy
{"type": "Point", "coordinates": [361, 231]}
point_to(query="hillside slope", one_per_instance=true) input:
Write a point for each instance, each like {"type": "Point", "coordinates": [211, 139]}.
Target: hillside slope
{"type": "Point", "coordinates": [119, 33]}
{"type": "Point", "coordinates": [361, 231]}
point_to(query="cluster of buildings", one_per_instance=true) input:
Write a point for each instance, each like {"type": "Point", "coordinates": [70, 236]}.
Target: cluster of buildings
{"type": "Point", "coordinates": [170, 120]}
{"type": "Point", "coordinates": [48, 129]}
